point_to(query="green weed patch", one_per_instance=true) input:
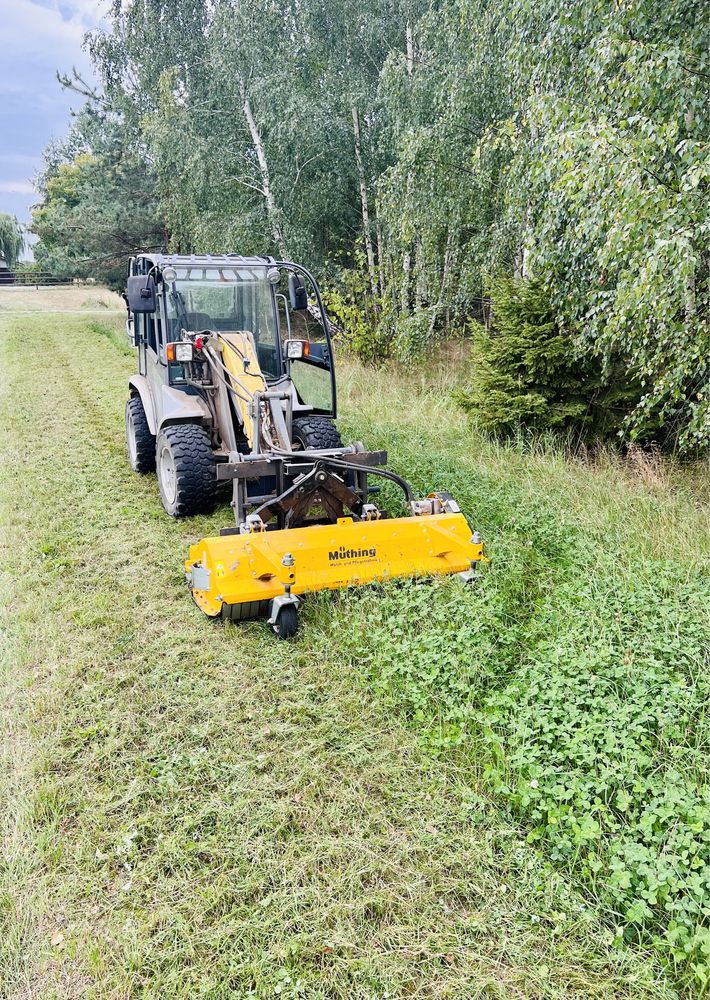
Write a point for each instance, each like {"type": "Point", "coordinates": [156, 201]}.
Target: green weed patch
{"type": "Point", "coordinates": [604, 733]}
{"type": "Point", "coordinates": [576, 683]}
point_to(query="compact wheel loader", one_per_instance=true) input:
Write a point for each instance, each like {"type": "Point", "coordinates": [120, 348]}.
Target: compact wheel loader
{"type": "Point", "coordinates": [235, 391]}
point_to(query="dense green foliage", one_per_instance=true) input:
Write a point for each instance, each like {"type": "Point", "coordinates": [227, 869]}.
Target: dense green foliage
{"type": "Point", "coordinates": [526, 372]}
{"type": "Point", "coordinates": [576, 674]}
{"type": "Point", "coordinates": [98, 204]}
{"type": "Point", "coordinates": [12, 241]}
{"type": "Point", "coordinates": [620, 209]}
{"type": "Point", "coordinates": [410, 152]}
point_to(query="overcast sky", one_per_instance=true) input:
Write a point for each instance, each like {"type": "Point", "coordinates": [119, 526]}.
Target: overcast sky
{"type": "Point", "coordinates": [37, 38]}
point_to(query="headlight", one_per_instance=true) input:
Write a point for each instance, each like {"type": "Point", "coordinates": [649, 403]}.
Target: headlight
{"type": "Point", "coordinates": [179, 350]}
{"type": "Point", "coordinates": [183, 352]}
{"type": "Point", "coordinates": [169, 275]}
{"type": "Point", "coordinates": [297, 349]}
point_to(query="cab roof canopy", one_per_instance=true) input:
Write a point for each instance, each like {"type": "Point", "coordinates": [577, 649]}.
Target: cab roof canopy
{"type": "Point", "coordinates": [204, 260]}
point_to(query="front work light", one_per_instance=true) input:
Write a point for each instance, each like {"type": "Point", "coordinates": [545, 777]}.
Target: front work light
{"type": "Point", "coordinates": [296, 349]}
{"type": "Point", "coordinates": [180, 351]}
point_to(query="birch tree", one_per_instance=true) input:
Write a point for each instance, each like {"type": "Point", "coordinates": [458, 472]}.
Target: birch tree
{"type": "Point", "coordinates": [416, 151]}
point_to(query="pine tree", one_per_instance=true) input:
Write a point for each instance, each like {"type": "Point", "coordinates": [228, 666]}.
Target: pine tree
{"type": "Point", "coordinates": [527, 372]}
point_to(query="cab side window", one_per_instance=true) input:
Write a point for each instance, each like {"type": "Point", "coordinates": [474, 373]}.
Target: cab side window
{"type": "Point", "coordinates": [146, 329]}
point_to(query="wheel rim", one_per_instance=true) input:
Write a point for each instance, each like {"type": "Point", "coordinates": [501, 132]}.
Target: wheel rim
{"type": "Point", "coordinates": [131, 436]}
{"type": "Point", "coordinates": [168, 478]}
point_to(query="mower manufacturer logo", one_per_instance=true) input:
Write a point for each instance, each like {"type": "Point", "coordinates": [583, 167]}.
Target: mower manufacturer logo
{"type": "Point", "coordinates": [342, 553]}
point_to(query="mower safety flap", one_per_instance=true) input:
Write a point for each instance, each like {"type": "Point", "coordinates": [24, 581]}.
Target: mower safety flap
{"type": "Point", "coordinates": [261, 565]}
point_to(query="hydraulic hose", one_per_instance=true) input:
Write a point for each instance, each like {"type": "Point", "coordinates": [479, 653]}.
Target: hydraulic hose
{"type": "Point", "coordinates": [226, 377]}
{"type": "Point", "coordinates": [350, 467]}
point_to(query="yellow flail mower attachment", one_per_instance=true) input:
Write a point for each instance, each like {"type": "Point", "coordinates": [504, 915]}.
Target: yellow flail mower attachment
{"type": "Point", "coordinates": [253, 570]}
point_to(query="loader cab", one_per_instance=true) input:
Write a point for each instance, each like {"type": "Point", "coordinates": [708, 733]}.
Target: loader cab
{"type": "Point", "coordinates": [277, 301]}
{"type": "Point", "coordinates": [224, 300]}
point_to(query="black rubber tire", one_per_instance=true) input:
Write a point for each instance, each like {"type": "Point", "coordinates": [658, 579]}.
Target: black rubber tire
{"type": "Point", "coordinates": [286, 624]}
{"type": "Point", "coordinates": [193, 487]}
{"type": "Point", "coordinates": [139, 441]}
{"type": "Point", "coordinates": [315, 432]}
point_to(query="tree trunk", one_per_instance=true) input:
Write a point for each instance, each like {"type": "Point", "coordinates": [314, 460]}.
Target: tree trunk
{"type": "Point", "coordinates": [363, 201]}
{"type": "Point", "coordinates": [448, 254]}
{"type": "Point", "coordinates": [407, 256]}
{"type": "Point", "coordinates": [691, 304]}
{"type": "Point", "coordinates": [523, 270]}
{"type": "Point", "coordinates": [271, 210]}
{"type": "Point", "coordinates": [380, 257]}
{"type": "Point", "coordinates": [406, 277]}
{"type": "Point", "coordinates": [521, 263]}
{"type": "Point", "coordinates": [421, 284]}
{"type": "Point", "coordinates": [525, 262]}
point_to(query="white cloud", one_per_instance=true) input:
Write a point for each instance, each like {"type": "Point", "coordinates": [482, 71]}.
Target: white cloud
{"type": "Point", "coordinates": [16, 187]}
{"type": "Point", "coordinates": [47, 33]}
{"type": "Point", "coordinates": [20, 160]}
{"type": "Point", "coordinates": [28, 27]}
{"type": "Point", "coordinates": [64, 21]}
{"type": "Point", "coordinates": [90, 11]}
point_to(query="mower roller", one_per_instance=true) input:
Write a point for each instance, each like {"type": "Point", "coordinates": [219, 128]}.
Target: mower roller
{"type": "Point", "coordinates": [236, 389]}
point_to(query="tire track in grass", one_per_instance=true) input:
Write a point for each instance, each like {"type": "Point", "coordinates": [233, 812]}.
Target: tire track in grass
{"type": "Point", "coordinates": [206, 812]}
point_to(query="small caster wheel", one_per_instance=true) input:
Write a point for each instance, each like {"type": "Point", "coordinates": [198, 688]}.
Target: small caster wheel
{"type": "Point", "coordinates": [469, 578]}
{"type": "Point", "coordinates": [286, 624]}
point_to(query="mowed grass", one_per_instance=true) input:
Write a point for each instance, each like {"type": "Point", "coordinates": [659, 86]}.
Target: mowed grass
{"type": "Point", "coordinates": [193, 810]}
{"type": "Point", "coordinates": [87, 298]}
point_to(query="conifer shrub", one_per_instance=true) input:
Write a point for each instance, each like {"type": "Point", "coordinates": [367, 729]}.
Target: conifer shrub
{"type": "Point", "coordinates": [528, 372]}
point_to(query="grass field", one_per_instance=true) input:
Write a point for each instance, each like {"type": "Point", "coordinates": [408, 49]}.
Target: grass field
{"type": "Point", "coordinates": [430, 793]}
{"type": "Point", "coordinates": [83, 298]}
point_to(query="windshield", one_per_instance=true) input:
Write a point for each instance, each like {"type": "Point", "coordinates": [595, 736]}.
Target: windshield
{"type": "Point", "coordinates": [226, 300]}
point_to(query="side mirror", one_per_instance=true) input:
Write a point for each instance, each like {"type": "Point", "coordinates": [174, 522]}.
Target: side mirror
{"type": "Point", "coordinates": [141, 293]}
{"type": "Point", "coordinates": [297, 292]}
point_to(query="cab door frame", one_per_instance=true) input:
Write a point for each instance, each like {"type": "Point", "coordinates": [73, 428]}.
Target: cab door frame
{"type": "Point", "coordinates": [328, 362]}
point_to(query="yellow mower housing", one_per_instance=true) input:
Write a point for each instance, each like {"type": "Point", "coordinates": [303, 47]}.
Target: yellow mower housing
{"type": "Point", "coordinates": [238, 576]}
